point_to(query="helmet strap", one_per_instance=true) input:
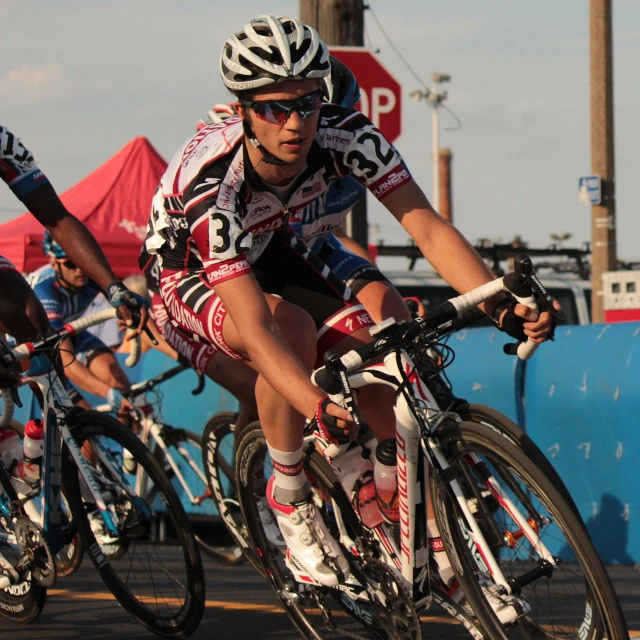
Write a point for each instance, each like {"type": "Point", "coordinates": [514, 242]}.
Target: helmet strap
{"type": "Point", "coordinates": [268, 157]}
{"type": "Point", "coordinates": [65, 283]}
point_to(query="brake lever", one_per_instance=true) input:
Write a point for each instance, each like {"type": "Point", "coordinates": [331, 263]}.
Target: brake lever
{"type": "Point", "coordinates": [200, 388]}
{"type": "Point", "coordinates": [544, 299]}
{"type": "Point", "coordinates": [15, 396]}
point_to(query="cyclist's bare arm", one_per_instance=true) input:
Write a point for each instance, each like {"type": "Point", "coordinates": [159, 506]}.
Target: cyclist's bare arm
{"type": "Point", "coordinates": [450, 254]}
{"type": "Point", "coordinates": [76, 240]}
{"type": "Point", "coordinates": [351, 244]}
{"type": "Point", "coordinates": [269, 353]}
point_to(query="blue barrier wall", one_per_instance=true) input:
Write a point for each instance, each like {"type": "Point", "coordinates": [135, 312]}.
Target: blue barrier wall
{"type": "Point", "coordinates": [178, 406]}
{"type": "Point", "coordinates": [582, 408]}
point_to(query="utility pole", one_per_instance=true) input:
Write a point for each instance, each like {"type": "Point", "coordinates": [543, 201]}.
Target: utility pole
{"type": "Point", "coordinates": [341, 23]}
{"type": "Point", "coordinates": [435, 99]}
{"type": "Point", "coordinates": [603, 216]}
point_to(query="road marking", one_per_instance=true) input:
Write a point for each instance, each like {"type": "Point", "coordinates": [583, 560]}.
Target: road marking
{"type": "Point", "coordinates": [242, 606]}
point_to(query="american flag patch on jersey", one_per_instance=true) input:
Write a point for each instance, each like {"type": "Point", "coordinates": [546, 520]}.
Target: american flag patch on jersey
{"type": "Point", "coordinates": [312, 190]}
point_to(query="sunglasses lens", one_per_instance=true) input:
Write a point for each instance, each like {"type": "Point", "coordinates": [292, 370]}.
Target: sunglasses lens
{"type": "Point", "coordinates": [69, 265]}
{"type": "Point", "coordinates": [271, 112]}
{"type": "Point", "coordinates": [278, 111]}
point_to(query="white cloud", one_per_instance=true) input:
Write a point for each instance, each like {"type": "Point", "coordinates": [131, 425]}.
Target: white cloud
{"type": "Point", "coordinates": [26, 85]}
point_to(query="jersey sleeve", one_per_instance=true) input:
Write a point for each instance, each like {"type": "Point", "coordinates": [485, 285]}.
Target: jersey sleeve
{"type": "Point", "coordinates": [210, 206]}
{"type": "Point", "coordinates": [17, 165]}
{"type": "Point", "coordinates": [362, 151]}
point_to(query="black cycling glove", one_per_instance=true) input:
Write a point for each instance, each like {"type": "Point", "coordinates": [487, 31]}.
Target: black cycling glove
{"type": "Point", "coordinates": [512, 324]}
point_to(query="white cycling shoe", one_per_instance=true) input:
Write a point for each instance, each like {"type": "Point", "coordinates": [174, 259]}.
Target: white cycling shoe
{"type": "Point", "coordinates": [311, 550]}
{"type": "Point", "coordinates": [269, 524]}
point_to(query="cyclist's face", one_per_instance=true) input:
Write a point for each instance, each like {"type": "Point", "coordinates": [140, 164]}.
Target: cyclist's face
{"type": "Point", "coordinates": [70, 273]}
{"type": "Point", "coordinates": [291, 139]}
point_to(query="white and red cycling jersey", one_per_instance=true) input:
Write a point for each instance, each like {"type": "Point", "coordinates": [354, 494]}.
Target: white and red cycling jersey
{"type": "Point", "coordinates": [212, 212]}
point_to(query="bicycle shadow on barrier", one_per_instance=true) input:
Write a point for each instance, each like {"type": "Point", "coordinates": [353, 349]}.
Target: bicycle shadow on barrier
{"type": "Point", "coordinates": [609, 531]}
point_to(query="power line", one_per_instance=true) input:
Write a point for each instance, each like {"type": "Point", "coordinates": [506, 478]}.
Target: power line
{"type": "Point", "coordinates": [393, 46]}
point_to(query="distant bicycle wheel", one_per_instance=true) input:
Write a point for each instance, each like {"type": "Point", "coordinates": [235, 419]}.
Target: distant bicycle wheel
{"type": "Point", "coordinates": [218, 450]}
{"type": "Point", "coordinates": [159, 577]}
{"type": "Point", "coordinates": [184, 465]}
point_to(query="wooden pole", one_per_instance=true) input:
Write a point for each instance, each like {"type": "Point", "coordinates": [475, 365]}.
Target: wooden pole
{"type": "Point", "coordinates": [341, 22]}
{"type": "Point", "coordinates": [603, 216]}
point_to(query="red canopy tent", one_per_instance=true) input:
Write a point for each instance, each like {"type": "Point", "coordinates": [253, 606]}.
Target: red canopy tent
{"type": "Point", "coordinates": [114, 202]}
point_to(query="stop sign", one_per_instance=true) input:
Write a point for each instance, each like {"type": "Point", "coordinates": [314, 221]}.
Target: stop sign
{"type": "Point", "coordinates": [381, 95]}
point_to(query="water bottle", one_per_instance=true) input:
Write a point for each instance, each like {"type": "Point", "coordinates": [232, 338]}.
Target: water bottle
{"type": "Point", "coordinates": [386, 480]}
{"type": "Point", "coordinates": [32, 446]}
{"type": "Point", "coordinates": [10, 448]}
{"type": "Point", "coordinates": [355, 472]}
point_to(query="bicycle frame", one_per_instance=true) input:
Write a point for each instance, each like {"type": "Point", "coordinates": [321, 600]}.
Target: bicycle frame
{"type": "Point", "coordinates": [417, 416]}
{"type": "Point", "coordinates": [56, 407]}
{"type": "Point", "coordinates": [151, 436]}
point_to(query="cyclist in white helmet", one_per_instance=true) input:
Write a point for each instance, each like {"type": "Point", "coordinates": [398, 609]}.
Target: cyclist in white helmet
{"type": "Point", "coordinates": [231, 273]}
{"type": "Point", "coordinates": [217, 114]}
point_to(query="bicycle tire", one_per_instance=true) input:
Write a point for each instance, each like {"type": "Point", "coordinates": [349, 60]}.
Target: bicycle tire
{"type": "Point", "coordinates": [169, 611]}
{"type": "Point", "coordinates": [495, 420]}
{"type": "Point", "coordinates": [185, 449]}
{"type": "Point", "coordinates": [595, 612]}
{"type": "Point", "coordinates": [24, 601]}
{"type": "Point", "coordinates": [218, 452]}
{"type": "Point", "coordinates": [309, 607]}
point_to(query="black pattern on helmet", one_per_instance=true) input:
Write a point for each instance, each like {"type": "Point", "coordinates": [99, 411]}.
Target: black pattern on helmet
{"type": "Point", "coordinates": [273, 49]}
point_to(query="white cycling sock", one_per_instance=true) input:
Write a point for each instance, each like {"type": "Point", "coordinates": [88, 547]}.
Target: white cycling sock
{"type": "Point", "coordinates": [290, 480]}
{"type": "Point", "coordinates": [440, 555]}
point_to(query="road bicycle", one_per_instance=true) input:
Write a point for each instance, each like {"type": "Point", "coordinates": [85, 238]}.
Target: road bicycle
{"type": "Point", "coordinates": [179, 452]}
{"type": "Point", "coordinates": [159, 577]}
{"type": "Point", "coordinates": [513, 540]}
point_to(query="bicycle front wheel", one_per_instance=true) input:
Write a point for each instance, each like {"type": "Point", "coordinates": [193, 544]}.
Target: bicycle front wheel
{"type": "Point", "coordinates": [155, 570]}
{"type": "Point", "coordinates": [560, 587]}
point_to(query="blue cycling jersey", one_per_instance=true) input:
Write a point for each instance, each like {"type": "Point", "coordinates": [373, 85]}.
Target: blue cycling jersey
{"type": "Point", "coordinates": [61, 305]}
{"type": "Point", "coordinates": [315, 222]}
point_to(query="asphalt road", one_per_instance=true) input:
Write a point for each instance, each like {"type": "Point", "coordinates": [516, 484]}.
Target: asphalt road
{"type": "Point", "coordinates": [239, 606]}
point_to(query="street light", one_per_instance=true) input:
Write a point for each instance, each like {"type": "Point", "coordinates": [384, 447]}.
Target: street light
{"type": "Point", "coordinates": [435, 99]}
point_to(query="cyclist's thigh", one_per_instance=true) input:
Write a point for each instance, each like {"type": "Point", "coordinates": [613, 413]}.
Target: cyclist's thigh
{"type": "Point", "coordinates": [21, 313]}
{"type": "Point", "coordinates": [198, 314]}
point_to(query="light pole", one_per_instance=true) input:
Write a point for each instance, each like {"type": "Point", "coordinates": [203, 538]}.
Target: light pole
{"type": "Point", "coordinates": [435, 99]}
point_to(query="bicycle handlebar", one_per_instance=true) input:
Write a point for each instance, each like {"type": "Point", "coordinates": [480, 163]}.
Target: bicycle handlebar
{"type": "Point", "coordinates": [522, 284]}
{"type": "Point", "coordinates": [29, 349]}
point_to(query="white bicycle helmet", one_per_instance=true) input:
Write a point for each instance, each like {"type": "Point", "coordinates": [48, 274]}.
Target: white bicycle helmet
{"type": "Point", "coordinates": [273, 49]}
{"type": "Point", "coordinates": [217, 114]}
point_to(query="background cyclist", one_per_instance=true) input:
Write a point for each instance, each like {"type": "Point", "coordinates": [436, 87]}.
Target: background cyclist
{"type": "Point", "coordinates": [21, 314]}
{"type": "Point", "coordinates": [66, 291]}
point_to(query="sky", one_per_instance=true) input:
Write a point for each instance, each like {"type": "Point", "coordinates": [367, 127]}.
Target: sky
{"type": "Point", "coordinates": [79, 80]}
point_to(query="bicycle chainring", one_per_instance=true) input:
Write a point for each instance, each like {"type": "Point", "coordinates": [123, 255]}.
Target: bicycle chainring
{"type": "Point", "coordinates": [394, 608]}
{"type": "Point", "coordinates": [36, 555]}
